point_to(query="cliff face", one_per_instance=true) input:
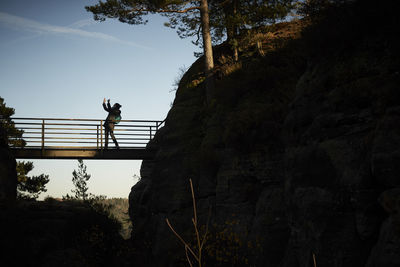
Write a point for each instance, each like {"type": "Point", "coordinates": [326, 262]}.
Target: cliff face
{"type": "Point", "coordinates": [341, 153]}
{"type": "Point", "coordinates": [298, 156]}
{"type": "Point", "coordinates": [8, 175]}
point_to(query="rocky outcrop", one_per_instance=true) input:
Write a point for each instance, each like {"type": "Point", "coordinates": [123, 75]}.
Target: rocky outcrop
{"type": "Point", "coordinates": [340, 155]}
{"type": "Point", "coordinates": [8, 175]}
{"type": "Point", "coordinates": [292, 156]}
{"type": "Point", "coordinates": [387, 250]}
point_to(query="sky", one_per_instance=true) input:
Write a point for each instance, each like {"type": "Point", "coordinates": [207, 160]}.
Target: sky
{"type": "Point", "coordinates": [56, 61]}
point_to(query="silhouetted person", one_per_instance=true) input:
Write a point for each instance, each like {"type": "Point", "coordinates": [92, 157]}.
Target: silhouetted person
{"type": "Point", "coordinates": [114, 115]}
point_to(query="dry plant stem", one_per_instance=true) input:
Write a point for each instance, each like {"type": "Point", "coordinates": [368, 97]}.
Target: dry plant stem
{"type": "Point", "coordinates": [200, 242]}
{"type": "Point", "coordinates": [315, 261]}
{"type": "Point", "coordinates": [206, 232]}
{"type": "Point", "coordinates": [181, 239]}
{"type": "Point", "coordinates": [194, 201]}
{"type": "Point", "coordinates": [187, 256]}
{"type": "Point", "coordinates": [194, 220]}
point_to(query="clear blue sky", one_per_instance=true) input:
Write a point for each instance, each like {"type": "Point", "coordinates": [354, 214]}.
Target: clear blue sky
{"type": "Point", "coordinates": [56, 61]}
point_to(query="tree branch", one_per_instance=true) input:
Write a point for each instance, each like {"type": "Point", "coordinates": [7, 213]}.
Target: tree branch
{"type": "Point", "coordinates": [164, 10]}
{"type": "Point", "coordinates": [198, 34]}
{"type": "Point", "coordinates": [224, 2]}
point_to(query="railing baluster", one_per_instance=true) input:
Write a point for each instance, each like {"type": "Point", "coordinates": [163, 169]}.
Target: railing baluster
{"type": "Point", "coordinates": [101, 135]}
{"type": "Point", "coordinates": [97, 137]}
{"type": "Point", "coordinates": [43, 122]}
{"type": "Point", "coordinates": [150, 133]}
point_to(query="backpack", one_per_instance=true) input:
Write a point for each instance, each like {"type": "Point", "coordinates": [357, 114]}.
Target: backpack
{"type": "Point", "coordinates": [117, 119]}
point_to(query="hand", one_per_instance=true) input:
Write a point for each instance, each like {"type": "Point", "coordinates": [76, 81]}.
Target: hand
{"type": "Point", "coordinates": [104, 100]}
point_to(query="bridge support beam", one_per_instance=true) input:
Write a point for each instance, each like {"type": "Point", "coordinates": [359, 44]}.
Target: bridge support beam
{"type": "Point", "coordinates": [79, 153]}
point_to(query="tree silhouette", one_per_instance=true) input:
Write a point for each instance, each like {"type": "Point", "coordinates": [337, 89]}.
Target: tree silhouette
{"type": "Point", "coordinates": [9, 134]}
{"type": "Point", "coordinates": [231, 17]}
{"type": "Point", "coordinates": [79, 179]}
{"type": "Point", "coordinates": [132, 12]}
{"type": "Point", "coordinates": [29, 187]}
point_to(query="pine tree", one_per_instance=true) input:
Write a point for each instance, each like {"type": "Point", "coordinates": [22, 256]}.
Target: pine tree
{"type": "Point", "coordinates": [232, 17]}
{"type": "Point", "coordinates": [209, 20]}
{"type": "Point", "coordinates": [29, 187]}
{"type": "Point", "coordinates": [79, 179]}
{"type": "Point", "coordinates": [132, 12]}
{"type": "Point", "coordinates": [9, 134]}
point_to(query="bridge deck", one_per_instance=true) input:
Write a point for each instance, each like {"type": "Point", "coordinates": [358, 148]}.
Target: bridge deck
{"type": "Point", "coordinates": [83, 153]}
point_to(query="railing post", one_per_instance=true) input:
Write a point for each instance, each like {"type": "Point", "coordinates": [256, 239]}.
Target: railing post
{"type": "Point", "coordinates": [97, 137]}
{"type": "Point", "coordinates": [43, 134]}
{"type": "Point", "coordinates": [150, 133]}
{"type": "Point", "coordinates": [101, 134]}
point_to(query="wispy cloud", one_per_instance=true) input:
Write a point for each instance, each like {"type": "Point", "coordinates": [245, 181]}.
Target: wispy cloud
{"type": "Point", "coordinates": [20, 23]}
{"type": "Point", "coordinates": [83, 23]}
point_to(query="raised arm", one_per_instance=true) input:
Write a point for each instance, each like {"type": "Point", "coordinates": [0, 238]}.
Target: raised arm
{"type": "Point", "coordinates": [105, 107]}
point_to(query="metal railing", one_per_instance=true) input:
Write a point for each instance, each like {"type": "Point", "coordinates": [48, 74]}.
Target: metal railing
{"type": "Point", "coordinates": [84, 133]}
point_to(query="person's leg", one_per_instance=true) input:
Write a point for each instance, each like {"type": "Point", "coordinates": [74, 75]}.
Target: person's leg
{"type": "Point", "coordinates": [107, 131]}
{"type": "Point", "coordinates": [114, 139]}
{"type": "Point", "coordinates": [111, 126]}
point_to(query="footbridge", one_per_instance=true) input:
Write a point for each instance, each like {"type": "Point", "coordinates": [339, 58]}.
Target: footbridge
{"type": "Point", "coordinates": [52, 138]}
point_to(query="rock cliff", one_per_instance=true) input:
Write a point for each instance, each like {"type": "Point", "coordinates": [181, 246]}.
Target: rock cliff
{"type": "Point", "coordinates": [297, 156]}
{"type": "Point", "coordinates": [8, 174]}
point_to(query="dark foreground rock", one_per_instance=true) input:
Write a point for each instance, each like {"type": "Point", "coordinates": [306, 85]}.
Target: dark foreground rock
{"type": "Point", "coordinates": [8, 175]}
{"type": "Point", "coordinates": [55, 233]}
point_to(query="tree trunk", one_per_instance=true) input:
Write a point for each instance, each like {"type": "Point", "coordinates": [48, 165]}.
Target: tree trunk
{"type": "Point", "coordinates": [207, 46]}
{"type": "Point", "coordinates": [230, 10]}
{"type": "Point", "coordinates": [231, 38]}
